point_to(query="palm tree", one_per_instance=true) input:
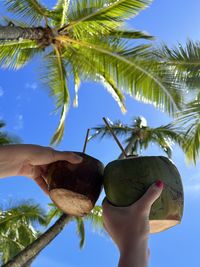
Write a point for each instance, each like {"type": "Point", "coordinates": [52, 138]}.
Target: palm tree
{"type": "Point", "coordinates": [185, 61]}
{"type": "Point", "coordinates": [30, 252]}
{"type": "Point", "coordinates": [17, 228]}
{"type": "Point", "coordinates": [138, 136]}
{"type": "Point", "coordinates": [87, 40]}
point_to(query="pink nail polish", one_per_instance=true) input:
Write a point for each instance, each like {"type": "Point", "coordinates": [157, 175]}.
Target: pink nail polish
{"type": "Point", "coordinates": [159, 184]}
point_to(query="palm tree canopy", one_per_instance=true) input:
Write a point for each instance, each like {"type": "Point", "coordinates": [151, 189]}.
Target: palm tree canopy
{"type": "Point", "coordinates": [87, 40]}
{"type": "Point", "coordinates": [138, 135]}
{"type": "Point", "coordinates": [17, 229]}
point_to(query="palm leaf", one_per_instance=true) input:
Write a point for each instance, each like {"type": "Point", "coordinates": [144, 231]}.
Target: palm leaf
{"type": "Point", "coordinates": [95, 217]}
{"type": "Point", "coordinates": [56, 77]}
{"type": "Point", "coordinates": [189, 120]}
{"type": "Point", "coordinates": [185, 60]}
{"type": "Point", "coordinates": [16, 227]}
{"type": "Point", "coordinates": [15, 54]}
{"type": "Point", "coordinates": [80, 231]}
{"type": "Point", "coordinates": [95, 16]}
{"type": "Point", "coordinates": [92, 71]}
{"type": "Point", "coordinates": [26, 211]}
{"type": "Point", "coordinates": [112, 88]}
{"type": "Point", "coordinates": [77, 83]}
{"type": "Point", "coordinates": [130, 34]}
{"type": "Point", "coordinates": [30, 10]}
{"type": "Point", "coordinates": [53, 213]}
{"type": "Point", "coordinates": [145, 80]}
{"type": "Point", "coordinates": [60, 12]}
{"type": "Point", "coordinates": [139, 136]}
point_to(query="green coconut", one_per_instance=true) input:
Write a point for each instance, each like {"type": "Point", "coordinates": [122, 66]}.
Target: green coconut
{"type": "Point", "coordinates": [126, 180]}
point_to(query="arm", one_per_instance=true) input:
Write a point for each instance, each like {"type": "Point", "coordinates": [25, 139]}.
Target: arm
{"type": "Point", "coordinates": [129, 227]}
{"type": "Point", "coordinates": [31, 161]}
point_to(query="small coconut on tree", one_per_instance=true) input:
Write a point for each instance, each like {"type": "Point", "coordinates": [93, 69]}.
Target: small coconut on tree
{"type": "Point", "coordinates": [87, 40]}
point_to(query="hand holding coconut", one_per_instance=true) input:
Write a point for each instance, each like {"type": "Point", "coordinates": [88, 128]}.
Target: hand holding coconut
{"type": "Point", "coordinates": [31, 161]}
{"type": "Point", "coordinates": [129, 227]}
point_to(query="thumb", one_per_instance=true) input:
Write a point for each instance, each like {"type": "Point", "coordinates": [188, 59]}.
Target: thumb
{"type": "Point", "coordinates": [153, 193]}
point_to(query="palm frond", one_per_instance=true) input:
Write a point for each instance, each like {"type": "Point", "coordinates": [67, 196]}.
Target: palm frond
{"type": "Point", "coordinates": [60, 12]}
{"type": "Point", "coordinates": [56, 77]}
{"type": "Point", "coordinates": [53, 213]}
{"type": "Point", "coordinates": [189, 120]}
{"type": "Point", "coordinates": [16, 227]}
{"type": "Point", "coordinates": [118, 128]}
{"type": "Point", "coordinates": [128, 34]}
{"type": "Point", "coordinates": [95, 16]}
{"type": "Point", "coordinates": [16, 54]}
{"type": "Point", "coordinates": [25, 211]}
{"type": "Point", "coordinates": [112, 88]}
{"type": "Point", "coordinates": [185, 60]}
{"type": "Point", "coordinates": [77, 83]}
{"type": "Point", "coordinates": [31, 11]}
{"type": "Point", "coordinates": [144, 79]}
{"type": "Point", "coordinates": [80, 231]}
{"type": "Point", "coordinates": [95, 218]}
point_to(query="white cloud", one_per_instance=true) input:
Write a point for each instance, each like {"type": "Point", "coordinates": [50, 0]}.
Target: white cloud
{"type": "Point", "coordinates": [19, 123]}
{"type": "Point", "coordinates": [1, 91]}
{"type": "Point", "coordinates": [32, 86]}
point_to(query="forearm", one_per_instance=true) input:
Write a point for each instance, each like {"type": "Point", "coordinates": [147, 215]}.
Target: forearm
{"type": "Point", "coordinates": [12, 158]}
{"type": "Point", "coordinates": [135, 255]}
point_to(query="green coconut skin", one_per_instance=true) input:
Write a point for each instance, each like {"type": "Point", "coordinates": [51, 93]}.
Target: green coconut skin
{"type": "Point", "coordinates": [126, 180]}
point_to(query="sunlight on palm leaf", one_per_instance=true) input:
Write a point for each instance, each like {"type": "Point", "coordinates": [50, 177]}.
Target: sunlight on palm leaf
{"type": "Point", "coordinates": [61, 11]}
{"type": "Point", "coordinates": [15, 54]}
{"type": "Point", "coordinates": [30, 10]}
{"type": "Point", "coordinates": [134, 74]}
{"type": "Point", "coordinates": [17, 227]}
{"type": "Point", "coordinates": [55, 75]}
{"type": "Point", "coordinates": [88, 40]}
{"type": "Point", "coordinates": [185, 60]}
{"type": "Point", "coordinates": [103, 15]}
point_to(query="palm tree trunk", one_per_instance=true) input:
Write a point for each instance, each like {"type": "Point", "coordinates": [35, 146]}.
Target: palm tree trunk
{"type": "Point", "coordinates": [16, 33]}
{"type": "Point", "coordinates": [26, 255]}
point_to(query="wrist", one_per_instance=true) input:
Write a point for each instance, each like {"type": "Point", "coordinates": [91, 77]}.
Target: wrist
{"type": "Point", "coordinates": [134, 254]}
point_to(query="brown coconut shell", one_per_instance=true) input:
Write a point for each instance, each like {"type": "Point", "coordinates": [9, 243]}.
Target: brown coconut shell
{"type": "Point", "coordinates": [75, 188]}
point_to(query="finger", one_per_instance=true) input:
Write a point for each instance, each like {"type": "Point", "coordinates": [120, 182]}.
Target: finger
{"type": "Point", "coordinates": [42, 184]}
{"type": "Point", "coordinates": [68, 156]}
{"type": "Point", "coordinates": [153, 193]}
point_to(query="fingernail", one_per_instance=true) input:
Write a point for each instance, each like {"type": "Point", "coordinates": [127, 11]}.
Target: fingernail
{"type": "Point", "coordinates": [159, 184]}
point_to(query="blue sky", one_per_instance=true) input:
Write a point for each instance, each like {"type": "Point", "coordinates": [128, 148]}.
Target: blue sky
{"type": "Point", "coordinates": [28, 111]}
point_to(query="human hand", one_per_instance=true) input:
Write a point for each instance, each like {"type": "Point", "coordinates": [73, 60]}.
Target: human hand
{"type": "Point", "coordinates": [32, 161]}
{"type": "Point", "coordinates": [129, 226]}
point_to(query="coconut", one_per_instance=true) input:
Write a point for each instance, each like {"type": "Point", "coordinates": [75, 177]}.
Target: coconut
{"type": "Point", "coordinates": [75, 188]}
{"type": "Point", "coordinates": [126, 180]}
